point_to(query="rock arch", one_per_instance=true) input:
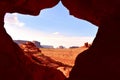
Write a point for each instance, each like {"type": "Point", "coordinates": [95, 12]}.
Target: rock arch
{"type": "Point", "coordinates": [100, 62]}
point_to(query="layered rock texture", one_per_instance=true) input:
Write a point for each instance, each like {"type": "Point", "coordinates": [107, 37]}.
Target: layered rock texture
{"type": "Point", "coordinates": [100, 62]}
{"type": "Point", "coordinates": [34, 53]}
{"type": "Point", "coordinates": [30, 47]}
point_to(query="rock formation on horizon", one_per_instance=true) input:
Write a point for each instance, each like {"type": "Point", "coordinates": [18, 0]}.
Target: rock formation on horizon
{"type": "Point", "coordinates": [36, 43]}
{"type": "Point", "coordinates": [29, 47]}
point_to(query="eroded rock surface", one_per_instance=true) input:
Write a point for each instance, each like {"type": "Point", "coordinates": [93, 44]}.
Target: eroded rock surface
{"type": "Point", "coordinates": [30, 47]}
{"type": "Point", "coordinates": [36, 55]}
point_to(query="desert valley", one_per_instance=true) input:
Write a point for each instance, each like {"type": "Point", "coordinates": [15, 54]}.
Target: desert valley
{"type": "Point", "coordinates": [58, 58]}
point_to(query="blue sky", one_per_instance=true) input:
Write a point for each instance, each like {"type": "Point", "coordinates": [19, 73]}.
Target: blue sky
{"type": "Point", "coordinates": [54, 26]}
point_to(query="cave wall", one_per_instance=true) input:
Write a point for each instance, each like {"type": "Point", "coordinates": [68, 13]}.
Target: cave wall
{"type": "Point", "coordinates": [14, 63]}
{"type": "Point", "coordinates": [100, 62]}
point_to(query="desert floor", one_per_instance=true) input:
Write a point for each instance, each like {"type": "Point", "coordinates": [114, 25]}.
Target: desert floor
{"type": "Point", "coordinates": [66, 56]}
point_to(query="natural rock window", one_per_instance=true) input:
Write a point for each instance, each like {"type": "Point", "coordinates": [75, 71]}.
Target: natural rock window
{"type": "Point", "coordinates": [54, 26]}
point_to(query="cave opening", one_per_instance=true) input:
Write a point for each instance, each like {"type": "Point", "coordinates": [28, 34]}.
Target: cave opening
{"type": "Point", "coordinates": [56, 30]}
{"type": "Point", "coordinates": [53, 26]}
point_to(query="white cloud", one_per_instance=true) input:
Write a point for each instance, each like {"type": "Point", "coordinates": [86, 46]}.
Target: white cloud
{"type": "Point", "coordinates": [69, 41]}
{"type": "Point", "coordinates": [56, 33]}
{"type": "Point", "coordinates": [47, 39]}
{"type": "Point", "coordinates": [12, 19]}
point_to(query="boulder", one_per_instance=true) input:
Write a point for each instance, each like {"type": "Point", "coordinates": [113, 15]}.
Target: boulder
{"type": "Point", "coordinates": [29, 47]}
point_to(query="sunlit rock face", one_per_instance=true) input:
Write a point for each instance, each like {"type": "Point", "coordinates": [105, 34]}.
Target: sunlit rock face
{"type": "Point", "coordinates": [100, 62]}
{"type": "Point", "coordinates": [29, 47]}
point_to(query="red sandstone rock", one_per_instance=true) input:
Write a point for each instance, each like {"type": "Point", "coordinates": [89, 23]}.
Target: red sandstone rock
{"type": "Point", "coordinates": [35, 54]}
{"type": "Point", "coordinates": [30, 47]}
{"type": "Point", "coordinates": [65, 70]}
